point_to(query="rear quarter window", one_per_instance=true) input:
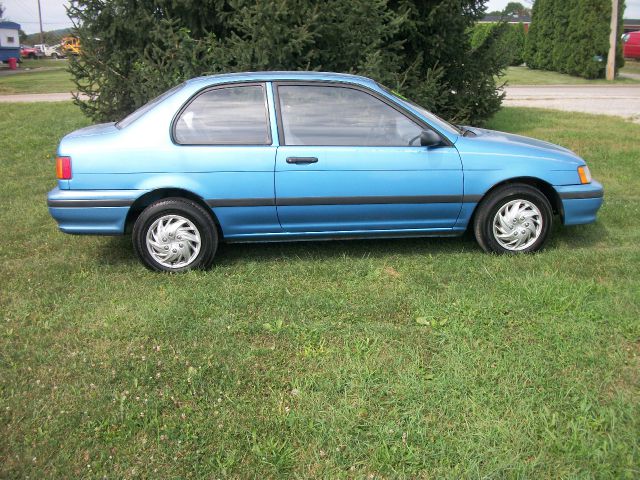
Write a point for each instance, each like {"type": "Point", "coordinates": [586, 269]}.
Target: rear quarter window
{"type": "Point", "coordinates": [230, 115]}
{"type": "Point", "coordinates": [132, 117]}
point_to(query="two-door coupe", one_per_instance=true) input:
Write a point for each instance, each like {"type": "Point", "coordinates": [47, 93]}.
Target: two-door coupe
{"type": "Point", "coordinates": [274, 156]}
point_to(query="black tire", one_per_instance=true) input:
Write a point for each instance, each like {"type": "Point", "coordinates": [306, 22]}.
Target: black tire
{"type": "Point", "coordinates": [189, 210]}
{"type": "Point", "coordinates": [54, 56]}
{"type": "Point", "coordinates": [495, 201]}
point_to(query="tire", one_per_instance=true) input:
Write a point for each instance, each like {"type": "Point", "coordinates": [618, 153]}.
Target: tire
{"type": "Point", "coordinates": [494, 226]}
{"type": "Point", "coordinates": [157, 236]}
{"type": "Point", "coordinates": [54, 56]}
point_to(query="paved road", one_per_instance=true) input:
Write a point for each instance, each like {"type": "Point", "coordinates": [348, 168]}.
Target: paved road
{"type": "Point", "coordinates": [6, 71]}
{"type": "Point", "coordinates": [35, 97]}
{"type": "Point", "coordinates": [619, 100]}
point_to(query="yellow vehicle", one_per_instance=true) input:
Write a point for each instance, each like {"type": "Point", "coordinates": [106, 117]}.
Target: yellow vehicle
{"type": "Point", "coordinates": [70, 45]}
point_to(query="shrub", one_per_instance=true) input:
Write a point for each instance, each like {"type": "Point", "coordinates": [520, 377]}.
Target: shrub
{"type": "Point", "coordinates": [132, 51]}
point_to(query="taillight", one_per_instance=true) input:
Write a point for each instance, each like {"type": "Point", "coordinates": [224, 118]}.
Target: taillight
{"type": "Point", "coordinates": [63, 168]}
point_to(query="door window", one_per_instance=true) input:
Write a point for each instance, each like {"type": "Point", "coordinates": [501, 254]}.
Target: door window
{"type": "Point", "coordinates": [225, 116]}
{"type": "Point", "coordinates": [334, 115]}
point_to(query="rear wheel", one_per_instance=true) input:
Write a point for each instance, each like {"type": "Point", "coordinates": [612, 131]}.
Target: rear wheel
{"type": "Point", "coordinates": [175, 235]}
{"type": "Point", "coordinates": [513, 219]}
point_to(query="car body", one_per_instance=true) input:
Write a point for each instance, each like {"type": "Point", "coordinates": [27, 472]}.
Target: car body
{"type": "Point", "coordinates": [631, 43]}
{"type": "Point", "coordinates": [30, 52]}
{"type": "Point", "coordinates": [52, 51]}
{"type": "Point", "coordinates": [272, 156]}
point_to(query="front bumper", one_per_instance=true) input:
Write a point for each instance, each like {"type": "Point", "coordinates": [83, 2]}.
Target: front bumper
{"type": "Point", "coordinates": [580, 203]}
{"type": "Point", "coordinates": [91, 212]}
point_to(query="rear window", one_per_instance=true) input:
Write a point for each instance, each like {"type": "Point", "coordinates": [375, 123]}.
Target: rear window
{"type": "Point", "coordinates": [132, 117]}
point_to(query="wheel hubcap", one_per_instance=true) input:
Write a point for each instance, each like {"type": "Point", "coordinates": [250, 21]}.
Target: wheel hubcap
{"type": "Point", "coordinates": [517, 225]}
{"type": "Point", "coordinates": [173, 241]}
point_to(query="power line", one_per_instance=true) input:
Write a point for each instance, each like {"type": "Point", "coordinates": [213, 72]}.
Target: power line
{"type": "Point", "coordinates": [45, 23]}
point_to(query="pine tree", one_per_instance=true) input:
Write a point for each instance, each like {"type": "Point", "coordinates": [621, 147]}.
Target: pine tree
{"type": "Point", "coordinates": [572, 36]}
{"type": "Point", "coordinates": [132, 51]}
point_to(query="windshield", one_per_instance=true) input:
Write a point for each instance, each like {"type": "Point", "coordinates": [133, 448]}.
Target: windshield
{"type": "Point", "coordinates": [132, 117]}
{"type": "Point", "coordinates": [437, 121]}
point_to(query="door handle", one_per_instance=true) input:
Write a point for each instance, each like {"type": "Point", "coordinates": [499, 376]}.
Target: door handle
{"type": "Point", "coordinates": [302, 160]}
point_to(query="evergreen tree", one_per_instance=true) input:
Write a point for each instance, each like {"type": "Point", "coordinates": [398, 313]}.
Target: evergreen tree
{"type": "Point", "coordinates": [132, 51]}
{"type": "Point", "coordinates": [572, 36]}
{"type": "Point", "coordinates": [511, 44]}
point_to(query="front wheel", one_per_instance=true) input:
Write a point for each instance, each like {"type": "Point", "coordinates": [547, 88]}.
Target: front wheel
{"type": "Point", "coordinates": [175, 235]}
{"type": "Point", "coordinates": [513, 219]}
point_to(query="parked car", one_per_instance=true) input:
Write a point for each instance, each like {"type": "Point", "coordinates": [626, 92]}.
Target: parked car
{"type": "Point", "coordinates": [631, 42]}
{"type": "Point", "coordinates": [49, 50]}
{"type": "Point", "coordinates": [305, 155]}
{"type": "Point", "coordinates": [29, 52]}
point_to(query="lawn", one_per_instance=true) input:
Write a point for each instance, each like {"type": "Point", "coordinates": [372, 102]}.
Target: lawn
{"type": "Point", "coordinates": [365, 359]}
{"type": "Point", "coordinates": [631, 66]}
{"type": "Point", "coordinates": [526, 76]}
{"type": "Point", "coordinates": [38, 76]}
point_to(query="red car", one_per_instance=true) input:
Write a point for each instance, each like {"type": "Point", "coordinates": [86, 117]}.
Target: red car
{"type": "Point", "coordinates": [29, 52]}
{"type": "Point", "coordinates": [631, 44]}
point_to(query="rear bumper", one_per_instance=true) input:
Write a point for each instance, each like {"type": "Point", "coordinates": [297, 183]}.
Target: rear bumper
{"type": "Point", "coordinates": [91, 212]}
{"type": "Point", "coordinates": [580, 203]}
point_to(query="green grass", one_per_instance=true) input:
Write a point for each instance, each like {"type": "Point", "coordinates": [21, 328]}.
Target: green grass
{"type": "Point", "coordinates": [43, 62]}
{"type": "Point", "coordinates": [631, 66]}
{"type": "Point", "coordinates": [365, 359]}
{"type": "Point", "coordinates": [527, 76]}
{"type": "Point", "coordinates": [38, 76]}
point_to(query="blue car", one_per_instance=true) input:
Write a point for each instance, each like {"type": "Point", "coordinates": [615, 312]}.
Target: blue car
{"type": "Point", "coordinates": [271, 156]}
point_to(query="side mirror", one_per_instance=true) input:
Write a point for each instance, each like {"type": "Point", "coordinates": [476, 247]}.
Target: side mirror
{"type": "Point", "coordinates": [429, 138]}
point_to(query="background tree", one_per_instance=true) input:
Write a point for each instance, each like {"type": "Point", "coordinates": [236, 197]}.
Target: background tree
{"type": "Point", "coordinates": [132, 51]}
{"type": "Point", "coordinates": [510, 45]}
{"type": "Point", "coordinates": [512, 9]}
{"type": "Point", "coordinates": [572, 36]}
{"type": "Point", "coordinates": [1, 12]}
{"type": "Point", "coordinates": [516, 9]}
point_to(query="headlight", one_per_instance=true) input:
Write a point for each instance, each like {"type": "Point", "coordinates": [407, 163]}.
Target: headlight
{"type": "Point", "coordinates": [584, 174]}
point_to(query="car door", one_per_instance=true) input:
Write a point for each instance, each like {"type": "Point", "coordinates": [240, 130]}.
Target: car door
{"type": "Point", "coordinates": [224, 145]}
{"type": "Point", "coordinates": [350, 160]}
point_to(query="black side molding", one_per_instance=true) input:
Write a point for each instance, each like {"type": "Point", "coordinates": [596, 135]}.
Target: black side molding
{"type": "Point", "coordinates": [88, 203]}
{"type": "Point", "coordinates": [288, 201]}
{"type": "Point", "coordinates": [579, 195]}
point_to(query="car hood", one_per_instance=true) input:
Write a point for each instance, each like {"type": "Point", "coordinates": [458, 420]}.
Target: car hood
{"type": "Point", "coordinates": [509, 144]}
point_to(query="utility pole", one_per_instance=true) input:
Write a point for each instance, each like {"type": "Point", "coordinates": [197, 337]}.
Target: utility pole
{"type": "Point", "coordinates": [613, 40]}
{"type": "Point", "coordinates": [40, 18]}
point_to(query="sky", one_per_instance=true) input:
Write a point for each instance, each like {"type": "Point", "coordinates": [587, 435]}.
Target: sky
{"type": "Point", "coordinates": [54, 16]}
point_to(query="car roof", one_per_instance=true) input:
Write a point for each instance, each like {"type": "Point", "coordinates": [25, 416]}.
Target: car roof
{"type": "Point", "coordinates": [274, 76]}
